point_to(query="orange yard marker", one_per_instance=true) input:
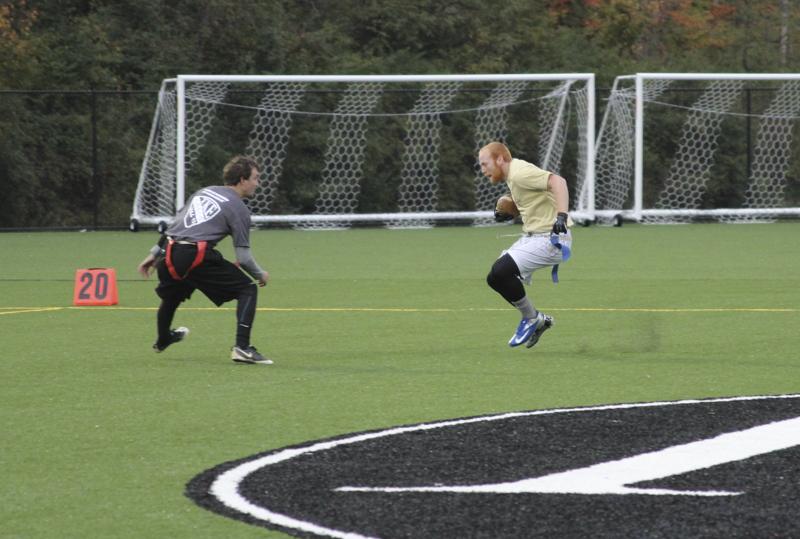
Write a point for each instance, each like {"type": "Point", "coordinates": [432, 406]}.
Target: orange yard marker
{"type": "Point", "coordinates": [95, 286]}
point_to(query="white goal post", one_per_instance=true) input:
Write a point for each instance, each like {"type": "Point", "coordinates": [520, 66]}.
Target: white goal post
{"type": "Point", "coordinates": [338, 150]}
{"type": "Point", "coordinates": [678, 147]}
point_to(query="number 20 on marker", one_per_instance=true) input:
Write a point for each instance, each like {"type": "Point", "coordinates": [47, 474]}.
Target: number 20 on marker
{"type": "Point", "coordinates": [95, 286]}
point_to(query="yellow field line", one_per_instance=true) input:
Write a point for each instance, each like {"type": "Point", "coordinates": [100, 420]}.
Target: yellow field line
{"type": "Point", "coordinates": [22, 310]}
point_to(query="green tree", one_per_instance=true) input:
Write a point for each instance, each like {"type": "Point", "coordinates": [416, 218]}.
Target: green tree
{"type": "Point", "coordinates": [127, 45]}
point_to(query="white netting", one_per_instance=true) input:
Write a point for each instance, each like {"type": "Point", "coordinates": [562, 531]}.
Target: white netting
{"type": "Point", "coordinates": [555, 118]}
{"type": "Point", "coordinates": [690, 169]}
{"type": "Point", "coordinates": [491, 123]}
{"type": "Point", "coordinates": [615, 145]}
{"type": "Point", "coordinates": [269, 138]}
{"type": "Point", "coordinates": [201, 104]}
{"type": "Point", "coordinates": [344, 158]}
{"type": "Point", "coordinates": [154, 195]}
{"type": "Point", "coordinates": [418, 186]}
{"type": "Point", "coordinates": [769, 175]}
{"type": "Point", "coordinates": [401, 151]}
{"type": "Point", "coordinates": [718, 147]}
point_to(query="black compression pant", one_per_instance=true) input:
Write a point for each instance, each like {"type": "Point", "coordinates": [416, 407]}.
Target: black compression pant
{"type": "Point", "coordinates": [166, 312]}
{"type": "Point", "coordinates": [504, 278]}
{"type": "Point", "coordinates": [245, 314]}
{"type": "Point", "coordinates": [219, 279]}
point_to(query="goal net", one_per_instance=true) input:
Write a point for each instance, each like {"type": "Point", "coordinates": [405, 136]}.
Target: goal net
{"type": "Point", "coordinates": [679, 147]}
{"type": "Point", "coordinates": [336, 151]}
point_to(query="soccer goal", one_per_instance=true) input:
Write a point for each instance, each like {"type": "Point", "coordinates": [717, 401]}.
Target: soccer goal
{"type": "Point", "coordinates": [678, 147]}
{"type": "Point", "coordinates": [335, 151]}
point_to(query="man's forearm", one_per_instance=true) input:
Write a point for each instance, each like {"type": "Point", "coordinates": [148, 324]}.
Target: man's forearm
{"type": "Point", "coordinates": [246, 261]}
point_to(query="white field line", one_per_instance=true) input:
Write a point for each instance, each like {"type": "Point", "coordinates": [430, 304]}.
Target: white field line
{"type": "Point", "coordinates": [24, 310]}
{"type": "Point", "coordinates": [612, 477]}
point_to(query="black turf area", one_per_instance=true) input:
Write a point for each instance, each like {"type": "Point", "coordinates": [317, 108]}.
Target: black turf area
{"type": "Point", "coordinates": [518, 448]}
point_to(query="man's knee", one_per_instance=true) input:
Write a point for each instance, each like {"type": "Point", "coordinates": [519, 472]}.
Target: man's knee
{"type": "Point", "coordinates": [504, 278]}
{"type": "Point", "coordinates": [503, 270]}
{"type": "Point", "coordinates": [248, 291]}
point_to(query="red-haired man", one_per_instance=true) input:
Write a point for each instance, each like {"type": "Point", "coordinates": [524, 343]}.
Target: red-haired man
{"type": "Point", "coordinates": [542, 199]}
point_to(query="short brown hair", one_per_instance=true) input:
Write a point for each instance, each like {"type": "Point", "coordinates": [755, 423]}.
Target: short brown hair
{"type": "Point", "coordinates": [498, 149]}
{"type": "Point", "coordinates": [237, 168]}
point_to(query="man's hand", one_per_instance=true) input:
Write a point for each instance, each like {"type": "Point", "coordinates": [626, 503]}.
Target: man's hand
{"type": "Point", "coordinates": [505, 209]}
{"type": "Point", "coordinates": [146, 266]}
{"type": "Point", "coordinates": [502, 217]}
{"type": "Point", "coordinates": [264, 279]}
{"type": "Point", "coordinates": [560, 226]}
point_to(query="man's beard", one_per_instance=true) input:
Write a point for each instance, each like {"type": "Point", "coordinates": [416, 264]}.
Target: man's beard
{"type": "Point", "coordinates": [497, 176]}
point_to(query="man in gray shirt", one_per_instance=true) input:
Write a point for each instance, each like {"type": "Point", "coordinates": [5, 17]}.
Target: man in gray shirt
{"type": "Point", "coordinates": [185, 258]}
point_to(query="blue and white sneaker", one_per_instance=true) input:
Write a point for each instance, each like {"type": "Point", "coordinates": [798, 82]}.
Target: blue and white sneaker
{"type": "Point", "coordinates": [545, 322]}
{"type": "Point", "coordinates": [530, 329]}
{"type": "Point", "coordinates": [525, 330]}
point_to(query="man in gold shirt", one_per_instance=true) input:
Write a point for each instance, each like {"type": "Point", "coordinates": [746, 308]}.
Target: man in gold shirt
{"type": "Point", "coordinates": [542, 199]}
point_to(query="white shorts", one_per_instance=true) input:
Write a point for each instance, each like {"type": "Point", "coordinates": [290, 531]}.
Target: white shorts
{"type": "Point", "coordinates": [534, 252]}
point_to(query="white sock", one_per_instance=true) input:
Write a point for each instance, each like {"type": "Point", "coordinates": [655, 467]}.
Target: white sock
{"type": "Point", "coordinates": [525, 307]}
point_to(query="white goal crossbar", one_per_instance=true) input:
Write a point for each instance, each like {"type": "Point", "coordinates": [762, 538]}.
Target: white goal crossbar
{"type": "Point", "coordinates": [396, 149]}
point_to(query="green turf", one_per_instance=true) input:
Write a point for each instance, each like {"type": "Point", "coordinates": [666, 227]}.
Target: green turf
{"type": "Point", "coordinates": [369, 329]}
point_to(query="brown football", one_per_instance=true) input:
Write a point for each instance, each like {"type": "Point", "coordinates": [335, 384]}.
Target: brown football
{"type": "Point", "coordinates": [506, 205]}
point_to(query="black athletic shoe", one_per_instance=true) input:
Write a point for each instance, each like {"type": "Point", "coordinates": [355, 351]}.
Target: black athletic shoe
{"type": "Point", "coordinates": [249, 355]}
{"type": "Point", "coordinates": [175, 335]}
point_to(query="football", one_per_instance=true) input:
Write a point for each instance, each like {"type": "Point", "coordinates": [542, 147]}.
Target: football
{"type": "Point", "coordinates": [505, 204]}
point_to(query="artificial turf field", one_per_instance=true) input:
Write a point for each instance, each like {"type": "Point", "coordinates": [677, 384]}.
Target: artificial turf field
{"type": "Point", "coordinates": [369, 329]}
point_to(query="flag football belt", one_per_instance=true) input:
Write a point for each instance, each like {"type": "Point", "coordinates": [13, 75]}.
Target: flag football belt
{"type": "Point", "coordinates": [565, 254]}
{"type": "Point", "coordinates": [198, 259]}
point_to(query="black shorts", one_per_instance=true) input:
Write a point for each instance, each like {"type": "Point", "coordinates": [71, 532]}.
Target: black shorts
{"type": "Point", "coordinates": [217, 278]}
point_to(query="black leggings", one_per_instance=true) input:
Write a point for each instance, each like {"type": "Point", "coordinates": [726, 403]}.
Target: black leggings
{"type": "Point", "coordinates": [245, 314]}
{"type": "Point", "coordinates": [504, 278]}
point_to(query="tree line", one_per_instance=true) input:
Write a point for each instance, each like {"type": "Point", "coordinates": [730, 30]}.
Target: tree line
{"type": "Point", "coordinates": [78, 79]}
